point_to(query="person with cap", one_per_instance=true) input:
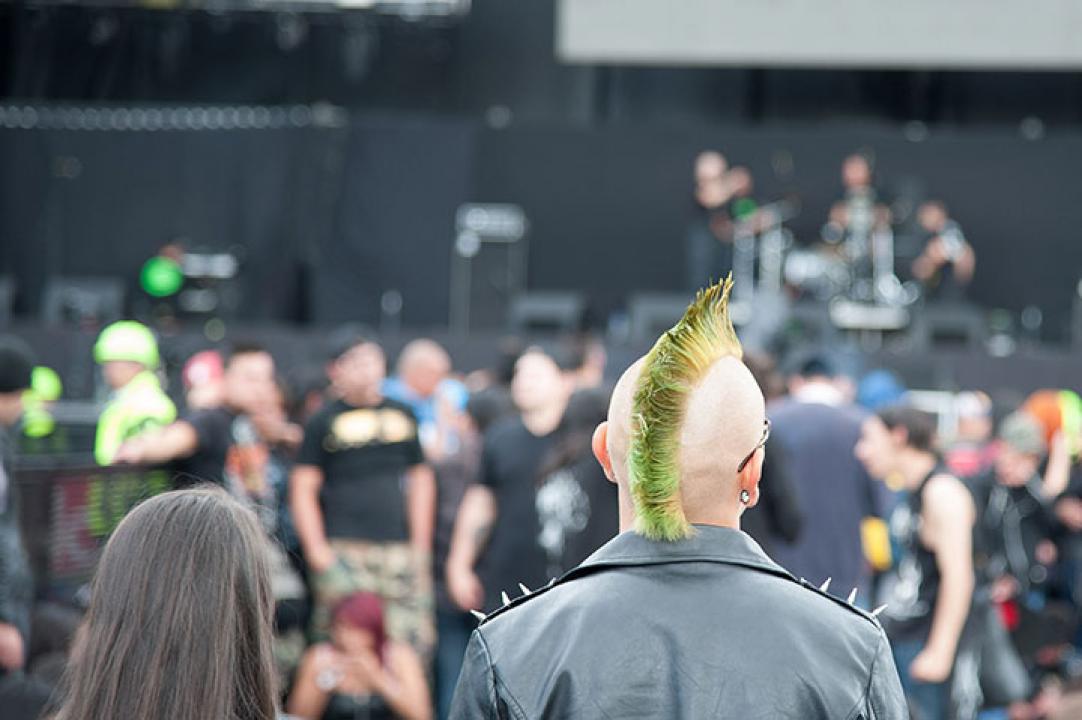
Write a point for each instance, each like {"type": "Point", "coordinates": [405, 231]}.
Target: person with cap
{"type": "Point", "coordinates": [1012, 502]}
{"type": "Point", "coordinates": [929, 591]}
{"type": "Point", "coordinates": [16, 588]}
{"type": "Point", "coordinates": [363, 500]}
{"type": "Point", "coordinates": [815, 430]}
{"type": "Point", "coordinates": [681, 615]}
{"type": "Point", "coordinates": [128, 355]}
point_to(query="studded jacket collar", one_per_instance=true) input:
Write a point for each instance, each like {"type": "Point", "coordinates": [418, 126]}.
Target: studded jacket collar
{"type": "Point", "coordinates": [705, 627]}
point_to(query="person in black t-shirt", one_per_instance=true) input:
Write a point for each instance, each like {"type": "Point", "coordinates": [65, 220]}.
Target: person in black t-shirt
{"type": "Point", "coordinates": [363, 501]}
{"type": "Point", "coordinates": [576, 504]}
{"type": "Point", "coordinates": [496, 542]}
{"type": "Point", "coordinates": [198, 445]}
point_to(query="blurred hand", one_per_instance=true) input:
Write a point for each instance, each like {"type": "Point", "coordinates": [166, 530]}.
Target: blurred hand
{"type": "Point", "coordinates": [1004, 588]}
{"type": "Point", "coordinates": [465, 588]}
{"type": "Point", "coordinates": [321, 559]}
{"type": "Point", "coordinates": [128, 454]}
{"type": "Point", "coordinates": [937, 251]}
{"type": "Point", "coordinates": [12, 652]}
{"type": "Point", "coordinates": [370, 666]}
{"type": "Point", "coordinates": [931, 666]}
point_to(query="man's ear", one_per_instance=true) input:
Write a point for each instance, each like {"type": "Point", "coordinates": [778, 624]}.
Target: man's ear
{"type": "Point", "coordinates": [749, 477]}
{"type": "Point", "coordinates": [600, 445]}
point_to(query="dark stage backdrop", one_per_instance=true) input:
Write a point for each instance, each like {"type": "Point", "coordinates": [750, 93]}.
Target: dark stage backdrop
{"type": "Point", "coordinates": [609, 208]}
{"type": "Point", "coordinates": [330, 218]}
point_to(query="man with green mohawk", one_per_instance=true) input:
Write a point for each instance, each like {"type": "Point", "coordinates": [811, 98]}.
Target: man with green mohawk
{"type": "Point", "coordinates": [681, 615]}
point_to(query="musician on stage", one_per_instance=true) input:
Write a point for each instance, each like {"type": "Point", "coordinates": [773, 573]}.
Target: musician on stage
{"type": "Point", "coordinates": [722, 199]}
{"type": "Point", "coordinates": [945, 266]}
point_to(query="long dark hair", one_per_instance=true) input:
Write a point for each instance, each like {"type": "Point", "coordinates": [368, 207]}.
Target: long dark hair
{"type": "Point", "coordinates": [179, 624]}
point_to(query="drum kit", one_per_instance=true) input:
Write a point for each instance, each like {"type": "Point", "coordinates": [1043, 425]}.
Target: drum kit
{"type": "Point", "coordinates": [851, 269]}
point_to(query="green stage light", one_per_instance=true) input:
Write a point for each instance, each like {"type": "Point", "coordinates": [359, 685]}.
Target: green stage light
{"type": "Point", "coordinates": [161, 277]}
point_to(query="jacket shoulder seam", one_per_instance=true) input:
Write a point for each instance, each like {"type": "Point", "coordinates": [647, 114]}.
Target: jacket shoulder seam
{"type": "Point", "coordinates": [499, 684]}
{"type": "Point", "coordinates": [863, 701]}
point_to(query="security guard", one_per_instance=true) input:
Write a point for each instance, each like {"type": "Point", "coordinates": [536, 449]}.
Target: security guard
{"type": "Point", "coordinates": [128, 355]}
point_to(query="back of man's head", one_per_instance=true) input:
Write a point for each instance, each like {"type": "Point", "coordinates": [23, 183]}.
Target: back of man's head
{"type": "Point", "coordinates": [683, 418]}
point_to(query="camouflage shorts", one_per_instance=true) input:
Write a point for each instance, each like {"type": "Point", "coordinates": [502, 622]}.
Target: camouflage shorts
{"type": "Point", "coordinates": [395, 572]}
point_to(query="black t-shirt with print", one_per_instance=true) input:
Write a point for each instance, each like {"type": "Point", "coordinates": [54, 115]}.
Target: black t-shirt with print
{"type": "Point", "coordinates": [364, 453]}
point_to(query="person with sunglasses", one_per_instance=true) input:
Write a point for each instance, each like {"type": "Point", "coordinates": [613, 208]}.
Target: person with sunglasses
{"type": "Point", "coordinates": [682, 615]}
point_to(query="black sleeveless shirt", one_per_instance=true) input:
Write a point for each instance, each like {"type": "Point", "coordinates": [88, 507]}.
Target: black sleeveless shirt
{"type": "Point", "coordinates": [910, 588]}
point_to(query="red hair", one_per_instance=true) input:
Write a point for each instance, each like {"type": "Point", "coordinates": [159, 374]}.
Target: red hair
{"type": "Point", "coordinates": [363, 611]}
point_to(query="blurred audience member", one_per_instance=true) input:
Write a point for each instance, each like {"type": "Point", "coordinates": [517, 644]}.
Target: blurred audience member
{"type": "Point", "coordinates": [203, 377]}
{"type": "Point", "coordinates": [16, 584]}
{"type": "Point", "coordinates": [576, 503]}
{"type": "Point", "coordinates": [203, 445]}
{"type": "Point", "coordinates": [496, 541]}
{"type": "Point", "coordinates": [363, 499]}
{"type": "Point", "coordinates": [777, 515]}
{"type": "Point", "coordinates": [361, 672]}
{"type": "Point", "coordinates": [972, 452]}
{"type": "Point", "coordinates": [1016, 518]}
{"type": "Point", "coordinates": [1015, 554]}
{"type": "Point", "coordinates": [128, 355]}
{"type": "Point", "coordinates": [816, 430]}
{"type": "Point", "coordinates": [422, 377]}
{"type": "Point", "coordinates": [179, 624]}
{"type": "Point", "coordinates": [929, 591]}
{"type": "Point", "coordinates": [455, 472]}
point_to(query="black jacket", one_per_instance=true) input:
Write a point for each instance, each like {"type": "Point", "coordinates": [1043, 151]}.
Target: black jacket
{"type": "Point", "coordinates": [708, 627]}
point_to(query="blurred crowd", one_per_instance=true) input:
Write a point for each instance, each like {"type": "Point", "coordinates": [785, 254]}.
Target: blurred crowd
{"type": "Point", "coordinates": [397, 498]}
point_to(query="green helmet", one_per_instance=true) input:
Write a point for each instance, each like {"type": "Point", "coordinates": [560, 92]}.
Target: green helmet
{"type": "Point", "coordinates": [127, 340]}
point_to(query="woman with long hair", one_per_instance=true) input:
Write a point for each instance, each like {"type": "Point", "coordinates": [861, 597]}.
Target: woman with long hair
{"type": "Point", "coordinates": [179, 624]}
{"type": "Point", "coordinates": [361, 673]}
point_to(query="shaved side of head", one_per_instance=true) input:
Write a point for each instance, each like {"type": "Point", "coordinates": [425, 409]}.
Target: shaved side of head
{"type": "Point", "coordinates": [682, 378]}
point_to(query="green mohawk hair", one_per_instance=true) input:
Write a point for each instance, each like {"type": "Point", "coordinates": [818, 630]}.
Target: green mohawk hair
{"type": "Point", "coordinates": [675, 365]}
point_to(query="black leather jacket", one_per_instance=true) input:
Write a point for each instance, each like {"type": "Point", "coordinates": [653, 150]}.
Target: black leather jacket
{"type": "Point", "coordinates": [708, 627]}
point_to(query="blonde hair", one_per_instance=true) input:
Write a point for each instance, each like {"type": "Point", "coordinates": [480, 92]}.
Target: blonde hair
{"type": "Point", "coordinates": [672, 369]}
